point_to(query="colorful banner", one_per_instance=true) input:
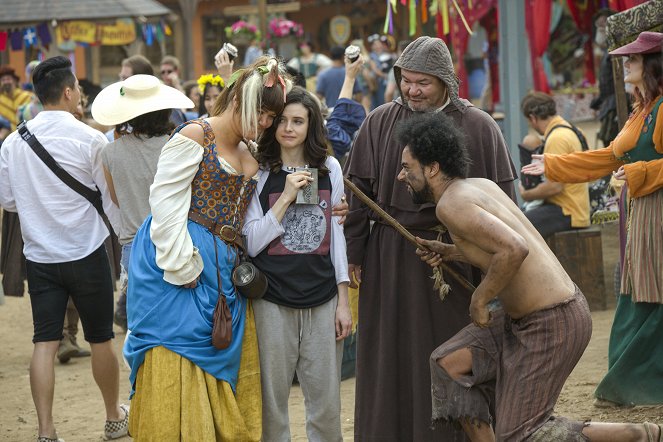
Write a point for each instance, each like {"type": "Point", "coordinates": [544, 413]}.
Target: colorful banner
{"type": "Point", "coordinates": [122, 32]}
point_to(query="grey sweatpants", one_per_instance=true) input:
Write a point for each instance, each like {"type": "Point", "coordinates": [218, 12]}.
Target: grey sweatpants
{"type": "Point", "coordinates": [304, 341]}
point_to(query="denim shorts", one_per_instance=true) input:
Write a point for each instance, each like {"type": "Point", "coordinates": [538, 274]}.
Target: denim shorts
{"type": "Point", "coordinates": [87, 281]}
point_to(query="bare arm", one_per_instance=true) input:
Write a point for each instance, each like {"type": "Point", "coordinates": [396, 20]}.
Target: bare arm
{"type": "Point", "coordinates": [352, 69]}
{"type": "Point", "coordinates": [544, 190]}
{"type": "Point", "coordinates": [438, 252]}
{"type": "Point", "coordinates": [111, 187]}
{"type": "Point", "coordinates": [489, 235]}
{"type": "Point", "coordinates": [224, 65]}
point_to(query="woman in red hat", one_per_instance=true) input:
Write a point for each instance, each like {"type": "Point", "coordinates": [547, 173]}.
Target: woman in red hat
{"type": "Point", "coordinates": [635, 355]}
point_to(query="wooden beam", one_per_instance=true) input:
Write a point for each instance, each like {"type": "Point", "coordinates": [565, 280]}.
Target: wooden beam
{"type": "Point", "coordinates": [262, 15]}
{"type": "Point", "coordinates": [188, 8]}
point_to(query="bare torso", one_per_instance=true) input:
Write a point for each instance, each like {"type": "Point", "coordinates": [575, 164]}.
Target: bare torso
{"type": "Point", "coordinates": [540, 281]}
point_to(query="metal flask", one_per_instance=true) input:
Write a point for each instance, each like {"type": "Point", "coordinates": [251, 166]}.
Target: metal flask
{"type": "Point", "coordinates": [309, 193]}
{"type": "Point", "coordinates": [250, 282]}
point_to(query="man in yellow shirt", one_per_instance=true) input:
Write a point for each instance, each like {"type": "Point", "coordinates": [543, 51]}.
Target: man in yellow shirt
{"type": "Point", "coordinates": [565, 206]}
{"type": "Point", "coordinates": [11, 96]}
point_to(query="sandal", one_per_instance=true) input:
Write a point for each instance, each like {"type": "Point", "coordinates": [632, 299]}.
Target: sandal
{"type": "Point", "coordinates": [650, 435]}
{"type": "Point", "coordinates": [49, 439]}
{"type": "Point", "coordinates": [117, 429]}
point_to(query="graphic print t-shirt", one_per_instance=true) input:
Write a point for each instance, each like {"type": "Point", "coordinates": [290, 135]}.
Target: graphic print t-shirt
{"type": "Point", "coordinates": [298, 264]}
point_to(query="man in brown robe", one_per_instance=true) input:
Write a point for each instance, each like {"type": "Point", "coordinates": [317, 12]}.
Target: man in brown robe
{"type": "Point", "coordinates": [401, 316]}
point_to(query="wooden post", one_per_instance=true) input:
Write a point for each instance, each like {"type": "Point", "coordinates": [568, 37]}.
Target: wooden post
{"type": "Point", "coordinates": [262, 15]}
{"type": "Point", "coordinates": [621, 101]}
{"type": "Point", "coordinates": [189, 8]}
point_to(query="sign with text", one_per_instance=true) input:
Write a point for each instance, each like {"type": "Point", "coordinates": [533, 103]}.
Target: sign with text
{"type": "Point", "coordinates": [121, 32]}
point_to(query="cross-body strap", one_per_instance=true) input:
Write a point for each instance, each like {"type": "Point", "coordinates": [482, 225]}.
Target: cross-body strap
{"type": "Point", "coordinates": [580, 135]}
{"type": "Point", "coordinates": [94, 197]}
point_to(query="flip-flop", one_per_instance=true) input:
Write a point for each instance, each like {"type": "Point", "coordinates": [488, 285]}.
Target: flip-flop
{"type": "Point", "coordinates": [650, 435]}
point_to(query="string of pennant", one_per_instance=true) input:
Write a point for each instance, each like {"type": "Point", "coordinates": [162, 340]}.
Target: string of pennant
{"type": "Point", "coordinates": [40, 35]}
{"type": "Point", "coordinates": [437, 8]}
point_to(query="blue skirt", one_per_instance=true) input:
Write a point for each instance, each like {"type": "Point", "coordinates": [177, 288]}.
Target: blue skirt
{"type": "Point", "coordinates": [180, 319]}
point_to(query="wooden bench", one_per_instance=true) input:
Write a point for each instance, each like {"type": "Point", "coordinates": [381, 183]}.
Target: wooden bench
{"type": "Point", "coordinates": [581, 254]}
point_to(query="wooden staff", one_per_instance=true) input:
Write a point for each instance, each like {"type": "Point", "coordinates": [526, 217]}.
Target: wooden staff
{"type": "Point", "coordinates": [402, 230]}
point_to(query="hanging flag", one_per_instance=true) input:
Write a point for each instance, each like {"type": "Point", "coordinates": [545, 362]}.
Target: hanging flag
{"type": "Point", "coordinates": [413, 18]}
{"type": "Point", "coordinates": [444, 10]}
{"type": "Point", "coordinates": [166, 28]}
{"type": "Point", "coordinates": [16, 40]}
{"type": "Point", "coordinates": [30, 37]}
{"type": "Point", "coordinates": [149, 35]}
{"type": "Point", "coordinates": [158, 33]}
{"type": "Point", "coordinates": [44, 34]}
{"type": "Point", "coordinates": [389, 18]}
{"type": "Point", "coordinates": [424, 11]}
{"type": "Point", "coordinates": [3, 40]}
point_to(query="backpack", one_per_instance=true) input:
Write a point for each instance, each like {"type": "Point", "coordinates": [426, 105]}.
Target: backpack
{"type": "Point", "coordinates": [580, 135]}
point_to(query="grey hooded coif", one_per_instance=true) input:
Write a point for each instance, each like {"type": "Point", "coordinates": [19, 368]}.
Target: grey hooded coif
{"type": "Point", "coordinates": [430, 56]}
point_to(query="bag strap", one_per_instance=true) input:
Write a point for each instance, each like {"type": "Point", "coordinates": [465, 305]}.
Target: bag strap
{"type": "Point", "coordinates": [580, 135]}
{"type": "Point", "coordinates": [94, 197]}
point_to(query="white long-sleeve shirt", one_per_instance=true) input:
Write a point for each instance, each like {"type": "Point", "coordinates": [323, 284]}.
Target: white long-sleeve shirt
{"type": "Point", "coordinates": [261, 229]}
{"type": "Point", "coordinates": [58, 224]}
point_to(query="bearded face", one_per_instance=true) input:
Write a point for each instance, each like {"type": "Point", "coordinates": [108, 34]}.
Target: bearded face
{"type": "Point", "coordinates": [412, 174]}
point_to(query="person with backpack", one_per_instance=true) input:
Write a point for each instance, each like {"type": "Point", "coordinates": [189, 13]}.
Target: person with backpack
{"type": "Point", "coordinates": [565, 206]}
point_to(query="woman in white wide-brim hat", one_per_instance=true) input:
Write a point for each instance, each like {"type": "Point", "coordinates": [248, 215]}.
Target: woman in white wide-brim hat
{"type": "Point", "coordinates": [139, 108]}
{"type": "Point", "coordinates": [635, 354]}
{"type": "Point", "coordinates": [182, 257]}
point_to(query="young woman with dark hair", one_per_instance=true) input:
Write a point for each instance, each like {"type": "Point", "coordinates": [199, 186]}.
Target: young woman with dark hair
{"type": "Point", "coordinates": [304, 316]}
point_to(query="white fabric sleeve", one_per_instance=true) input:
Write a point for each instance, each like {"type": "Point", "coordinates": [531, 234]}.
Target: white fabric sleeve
{"type": "Point", "coordinates": [170, 200]}
{"type": "Point", "coordinates": [110, 208]}
{"type": "Point", "coordinates": [338, 246]}
{"type": "Point", "coordinates": [259, 229]}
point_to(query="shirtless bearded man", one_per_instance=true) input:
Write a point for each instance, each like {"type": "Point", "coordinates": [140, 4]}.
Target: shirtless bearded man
{"type": "Point", "coordinates": [516, 356]}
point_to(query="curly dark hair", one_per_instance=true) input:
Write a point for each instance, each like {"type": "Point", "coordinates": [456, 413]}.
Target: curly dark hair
{"type": "Point", "coordinates": [434, 138]}
{"type": "Point", "coordinates": [151, 124]}
{"type": "Point", "coordinates": [539, 104]}
{"type": "Point", "coordinates": [316, 145]}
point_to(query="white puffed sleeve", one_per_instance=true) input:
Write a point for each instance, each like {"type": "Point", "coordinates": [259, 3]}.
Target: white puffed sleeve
{"type": "Point", "coordinates": [170, 200]}
{"type": "Point", "coordinates": [338, 246]}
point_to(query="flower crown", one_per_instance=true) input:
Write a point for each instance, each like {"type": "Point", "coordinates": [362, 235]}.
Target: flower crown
{"type": "Point", "coordinates": [214, 80]}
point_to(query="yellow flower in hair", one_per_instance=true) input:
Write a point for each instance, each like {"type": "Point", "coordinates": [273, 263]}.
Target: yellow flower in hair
{"type": "Point", "coordinates": [214, 80]}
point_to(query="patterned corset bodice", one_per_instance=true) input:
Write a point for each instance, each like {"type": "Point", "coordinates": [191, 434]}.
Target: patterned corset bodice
{"type": "Point", "coordinates": [219, 194]}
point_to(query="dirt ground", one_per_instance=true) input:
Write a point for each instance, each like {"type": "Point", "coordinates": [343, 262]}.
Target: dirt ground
{"type": "Point", "coordinates": [79, 412]}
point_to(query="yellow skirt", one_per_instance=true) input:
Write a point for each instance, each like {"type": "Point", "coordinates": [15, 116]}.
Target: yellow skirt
{"type": "Point", "coordinates": [176, 400]}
